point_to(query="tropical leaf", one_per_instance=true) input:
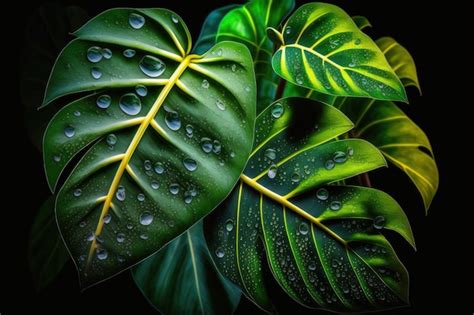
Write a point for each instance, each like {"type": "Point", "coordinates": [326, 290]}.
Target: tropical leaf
{"type": "Point", "coordinates": [323, 242]}
{"type": "Point", "coordinates": [361, 21]}
{"type": "Point", "coordinates": [47, 254]}
{"type": "Point", "coordinates": [165, 135]}
{"type": "Point", "coordinates": [207, 37]}
{"type": "Point", "coordinates": [182, 278]}
{"type": "Point", "coordinates": [247, 25]}
{"type": "Point", "coordinates": [401, 61]}
{"type": "Point", "coordinates": [324, 50]}
{"type": "Point", "coordinates": [48, 31]}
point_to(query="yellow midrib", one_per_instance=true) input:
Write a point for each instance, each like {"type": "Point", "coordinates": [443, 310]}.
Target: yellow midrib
{"type": "Point", "coordinates": [289, 205]}
{"type": "Point", "coordinates": [132, 147]}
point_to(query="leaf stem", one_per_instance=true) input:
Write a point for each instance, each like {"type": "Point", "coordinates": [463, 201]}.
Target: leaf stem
{"type": "Point", "coordinates": [280, 88]}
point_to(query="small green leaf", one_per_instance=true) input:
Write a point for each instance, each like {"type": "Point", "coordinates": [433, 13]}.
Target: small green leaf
{"type": "Point", "coordinates": [361, 21]}
{"type": "Point", "coordinates": [164, 135]}
{"type": "Point", "coordinates": [324, 50]}
{"type": "Point", "coordinates": [322, 240]}
{"type": "Point", "coordinates": [182, 278]}
{"type": "Point", "coordinates": [47, 253]}
{"type": "Point", "coordinates": [247, 25]}
{"type": "Point", "coordinates": [207, 37]}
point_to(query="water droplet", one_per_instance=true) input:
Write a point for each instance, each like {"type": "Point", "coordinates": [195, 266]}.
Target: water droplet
{"type": "Point", "coordinates": [130, 104]}
{"type": "Point", "coordinates": [155, 185]}
{"type": "Point", "coordinates": [232, 154]}
{"type": "Point", "coordinates": [219, 52]}
{"type": "Point", "coordinates": [272, 171]}
{"type": "Point", "coordinates": [335, 205]}
{"type": "Point", "coordinates": [379, 222]}
{"type": "Point", "coordinates": [339, 157]}
{"type": "Point", "coordinates": [120, 194]}
{"type": "Point", "coordinates": [77, 192]}
{"type": "Point", "coordinates": [56, 158]}
{"type": "Point", "coordinates": [101, 253]}
{"type": "Point", "coordinates": [141, 90]}
{"type": "Point", "coordinates": [329, 165]}
{"type": "Point", "coordinates": [152, 66]}
{"type": "Point", "coordinates": [106, 53]}
{"type": "Point", "coordinates": [220, 252]}
{"type": "Point", "coordinates": [96, 73]}
{"type": "Point", "coordinates": [247, 89]}
{"type": "Point", "coordinates": [77, 113]}
{"type": "Point", "coordinates": [220, 104]}
{"type": "Point", "coordinates": [233, 67]}
{"type": "Point", "coordinates": [129, 53]}
{"type": "Point", "coordinates": [216, 147]}
{"type": "Point", "coordinates": [174, 189]}
{"type": "Point", "coordinates": [103, 101]}
{"type": "Point", "coordinates": [147, 165]}
{"type": "Point", "coordinates": [90, 237]}
{"type": "Point", "coordinates": [205, 84]}
{"type": "Point", "coordinates": [188, 198]}
{"type": "Point", "coordinates": [352, 64]}
{"type": "Point", "coordinates": [136, 20]}
{"type": "Point", "coordinates": [143, 236]}
{"type": "Point", "coordinates": [146, 218]}
{"type": "Point", "coordinates": [295, 177]}
{"type": "Point", "coordinates": [159, 168]}
{"type": "Point", "coordinates": [299, 80]}
{"type": "Point", "coordinates": [206, 145]}
{"type": "Point", "coordinates": [277, 110]}
{"type": "Point", "coordinates": [304, 228]}
{"type": "Point", "coordinates": [141, 197]}
{"type": "Point", "coordinates": [107, 218]}
{"type": "Point", "coordinates": [190, 164]}
{"type": "Point", "coordinates": [174, 18]}
{"type": "Point", "coordinates": [288, 30]}
{"type": "Point", "coordinates": [229, 225]}
{"type": "Point", "coordinates": [120, 237]}
{"type": "Point", "coordinates": [270, 154]}
{"type": "Point", "coordinates": [350, 151]}
{"type": "Point", "coordinates": [172, 119]}
{"type": "Point", "coordinates": [111, 139]}
{"type": "Point", "coordinates": [82, 224]}
{"type": "Point", "coordinates": [357, 41]}
{"type": "Point", "coordinates": [69, 131]}
{"type": "Point", "coordinates": [312, 266]}
{"type": "Point", "coordinates": [189, 131]}
{"type": "Point", "coordinates": [334, 263]}
{"type": "Point", "coordinates": [94, 54]}
{"type": "Point", "coordinates": [322, 194]}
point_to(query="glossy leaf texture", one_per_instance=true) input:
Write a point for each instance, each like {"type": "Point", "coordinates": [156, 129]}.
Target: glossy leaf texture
{"type": "Point", "coordinates": [47, 254]}
{"type": "Point", "coordinates": [207, 37]}
{"type": "Point", "coordinates": [182, 278]}
{"type": "Point", "coordinates": [324, 50]}
{"type": "Point", "coordinates": [164, 135]}
{"type": "Point", "coordinates": [322, 240]}
{"type": "Point", "coordinates": [247, 24]}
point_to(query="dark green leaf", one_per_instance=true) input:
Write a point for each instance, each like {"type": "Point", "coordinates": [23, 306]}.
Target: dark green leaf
{"type": "Point", "coordinates": [361, 21]}
{"type": "Point", "coordinates": [149, 121]}
{"type": "Point", "coordinates": [47, 253]}
{"type": "Point", "coordinates": [323, 241]}
{"type": "Point", "coordinates": [247, 25]}
{"type": "Point", "coordinates": [324, 50]}
{"type": "Point", "coordinates": [182, 278]}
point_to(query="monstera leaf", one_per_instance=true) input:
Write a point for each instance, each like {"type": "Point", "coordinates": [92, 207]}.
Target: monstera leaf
{"type": "Point", "coordinates": [164, 135]}
{"type": "Point", "coordinates": [182, 278]}
{"type": "Point", "coordinates": [47, 254]}
{"type": "Point", "coordinates": [247, 25]}
{"type": "Point", "coordinates": [322, 240]}
{"type": "Point", "coordinates": [324, 50]}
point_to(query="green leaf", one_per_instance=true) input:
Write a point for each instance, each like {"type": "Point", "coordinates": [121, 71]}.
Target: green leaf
{"type": "Point", "coordinates": [361, 21]}
{"type": "Point", "coordinates": [400, 60]}
{"type": "Point", "coordinates": [247, 25]}
{"type": "Point", "coordinates": [324, 50]}
{"type": "Point", "coordinates": [182, 278]}
{"type": "Point", "coordinates": [323, 242]}
{"type": "Point", "coordinates": [152, 164]}
{"type": "Point", "coordinates": [48, 31]}
{"type": "Point", "coordinates": [207, 37]}
{"type": "Point", "coordinates": [47, 254]}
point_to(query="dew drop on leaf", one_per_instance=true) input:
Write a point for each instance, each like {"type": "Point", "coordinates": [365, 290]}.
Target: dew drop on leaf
{"type": "Point", "coordinates": [152, 66]}
{"type": "Point", "coordinates": [130, 104]}
{"type": "Point", "coordinates": [174, 189]}
{"type": "Point", "coordinates": [102, 253]}
{"type": "Point", "coordinates": [146, 218]}
{"type": "Point", "coordinates": [141, 90]}
{"type": "Point", "coordinates": [329, 165]}
{"type": "Point", "coordinates": [111, 139]}
{"type": "Point", "coordinates": [339, 157]}
{"type": "Point", "coordinates": [120, 194]}
{"type": "Point", "coordinates": [77, 192]}
{"type": "Point", "coordinates": [277, 110]}
{"type": "Point", "coordinates": [175, 19]}
{"type": "Point", "coordinates": [379, 222]}
{"type": "Point", "coordinates": [288, 30]}
{"type": "Point", "coordinates": [69, 131]}
{"type": "Point", "coordinates": [303, 228]}
{"type": "Point", "coordinates": [159, 168]}
{"type": "Point", "coordinates": [141, 197]}
{"type": "Point", "coordinates": [94, 54]}
{"type": "Point", "coordinates": [103, 101]}
{"type": "Point", "coordinates": [205, 84]}
{"type": "Point", "coordinates": [295, 177]}
{"type": "Point", "coordinates": [335, 205]}
{"type": "Point", "coordinates": [106, 53]}
{"type": "Point", "coordinates": [56, 158]}
{"type": "Point", "coordinates": [216, 147]}
{"type": "Point", "coordinates": [136, 20]}
{"type": "Point", "coordinates": [206, 145]}
{"type": "Point", "coordinates": [272, 171]}
{"type": "Point", "coordinates": [190, 164]}
{"type": "Point", "coordinates": [120, 237]}
{"type": "Point", "coordinates": [172, 120]}
{"type": "Point", "coordinates": [220, 252]}
{"type": "Point", "coordinates": [220, 104]}
{"type": "Point", "coordinates": [107, 218]}
{"type": "Point", "coordinates": [96, 73]}
{"type": "Point", "coordinates": [229, 225]}
{"type": "Point", "coordinates": [270, 154]}
{"type": "Point", "coordinates": [129, 53]}
{"type": "Point", "coordinates": [154, 184]}
{"type": "Point", "coordinates": [322, 194]}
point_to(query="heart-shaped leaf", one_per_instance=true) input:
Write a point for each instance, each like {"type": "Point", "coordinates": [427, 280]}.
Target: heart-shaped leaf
{"type": "Point", "coordinates": [165, 135]}
{"type": "Point", "coordinates": [324, 50]}
{"type": "Point", "coordinates": [182, 278]}
{"type": "Point", "coordinates": [247, 25]}
{"type": "Point", "coordinates": [323, 241]}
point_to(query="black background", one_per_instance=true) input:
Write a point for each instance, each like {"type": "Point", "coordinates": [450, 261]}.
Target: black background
{"type": "Point", "coordinates": [437, 268]}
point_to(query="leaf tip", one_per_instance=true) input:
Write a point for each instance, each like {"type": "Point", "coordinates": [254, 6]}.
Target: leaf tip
{"type": "Point", "coordinates": [275, 36]}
